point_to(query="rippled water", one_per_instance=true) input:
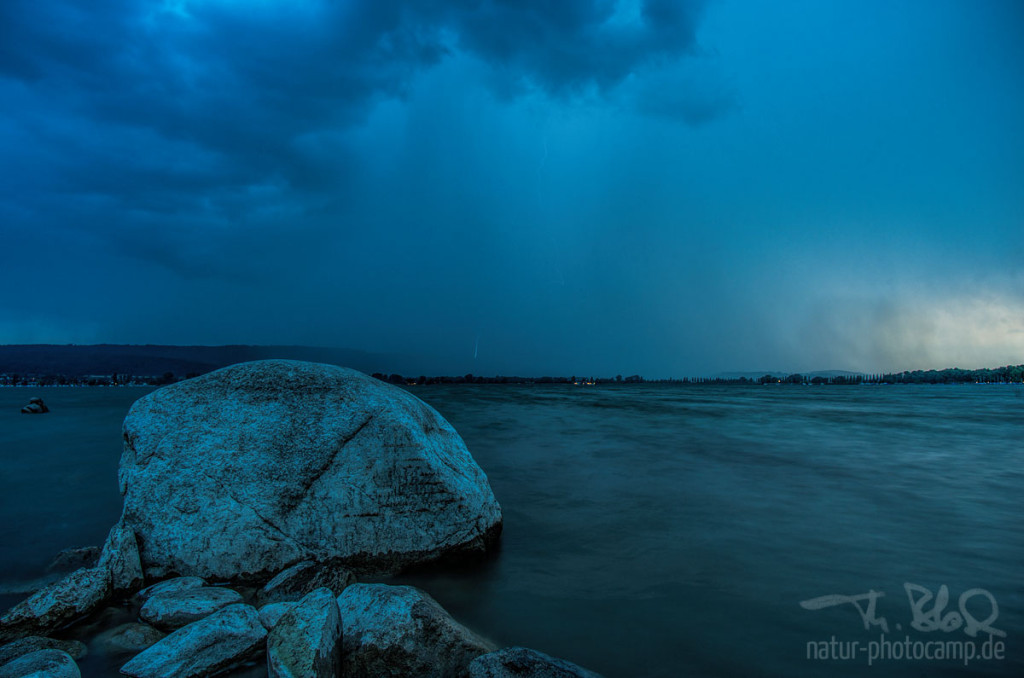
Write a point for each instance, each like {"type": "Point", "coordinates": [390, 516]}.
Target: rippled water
{"type": "Point", "coordinates": [661, 531]}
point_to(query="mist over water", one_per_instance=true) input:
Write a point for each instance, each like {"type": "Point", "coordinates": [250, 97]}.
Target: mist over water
{"type": "Point", "coordinates": [655, 530]}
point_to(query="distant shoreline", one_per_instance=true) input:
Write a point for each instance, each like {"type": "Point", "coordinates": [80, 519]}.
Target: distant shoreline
{"type": "Point", "coordinates": [159, 365]}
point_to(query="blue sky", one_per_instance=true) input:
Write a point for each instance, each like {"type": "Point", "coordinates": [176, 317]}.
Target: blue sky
{"type": "Point", "coordinates": [670, 188]}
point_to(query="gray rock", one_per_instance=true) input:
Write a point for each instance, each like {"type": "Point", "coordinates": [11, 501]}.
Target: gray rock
{"type": "Point", "coordinates": [306, 642]}
{"type": "Point", "coordinates": [35, 406]}
{"type": "Point", "coordinates": [23, 646]}
{"type": "Point", "coordinates": [120, 555]}
{"type": "Point", "coordinates": [271, 613]}
{"type": "Point", "coordinates": [28, 587]}
{"type": "Point", "coordinates": [296, 581]}
{"type": "Point", "coordinates": [51, 607]}
{"type": "Point", "coordinates": [70, 560]}
{"type": "Point", "coordinates": [230, 475]}
{"type": "Point", "coordinates": [521, 662]}
{"type": "Point", "coordinates": [173, 610]}
{"type": "Point", "coordinates": [41, 664]}
{"type": "Point", "coordinates": [402, 631]}
{"type": "Point", "coordinates": [130, 638]}
{"type": "Point", "coordinates": [170, 586]}
{"type": "Point", "coordinates": [225, 638]}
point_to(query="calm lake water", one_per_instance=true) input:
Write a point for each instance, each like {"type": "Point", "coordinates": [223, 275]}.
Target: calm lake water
{"type": "Point", "coordinates": [662, 531]}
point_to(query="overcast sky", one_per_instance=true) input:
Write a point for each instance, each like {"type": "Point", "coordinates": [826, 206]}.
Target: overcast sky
{"type": "Point", "coordinates": [609, 186]}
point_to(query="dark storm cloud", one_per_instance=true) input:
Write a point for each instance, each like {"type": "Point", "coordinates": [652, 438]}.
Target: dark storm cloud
{"type": "Point", "coordinates": [188, 116]}
{"type": "Point", "coordinates": [543, 185]}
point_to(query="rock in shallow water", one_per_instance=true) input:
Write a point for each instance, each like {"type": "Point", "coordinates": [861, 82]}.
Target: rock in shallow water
{"type": "Point", "coordinates": [170, 586]}
{"type": "Point", "coordinates": [402, 631]}
{"type": "Point", "coordinates": [243, 471]}
{"type": "Point", "coordinates": [51, 607]}
{"type": "Point", "coordinates": [41, 664]}
{"type": "Point", "coordinates": [212, 644]}
{"type": "Point", "coordinates": [35, 406]}
{"type": "Point", "coordinates": [120, 555]}
{"type": "Point", "coordinates": [175, 609]}
{"type": "Point", "coordinates": [72, 559]}
{"type": "Point", "coordinates": [306, 641]}
{"type": "Point", "coordinates": [296, 581]}
{"type": "Point", "coordinates": [521, 662]}
{"type": "Point", "coordinates": [128, 638]}
{"type": "Point", "coordinates": [24, 646]}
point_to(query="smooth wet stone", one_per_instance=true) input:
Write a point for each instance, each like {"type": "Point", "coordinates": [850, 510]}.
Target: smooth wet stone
{"type": "Point", "coordinates": [42, 664]}
{"type": "Point", "coordinates": [64, 601]}
{"type": "Point", "coordinates": [402, 631]}
{"type": "Point", "coordinates": [24, 646]}
{"type": "Point", "coordinates": [173, 610]}
{"type": "Point", "coordinates": [130, 638]}
{"type": "Point", "coordinates": [306, 641]}
{"type": "Point", "coordinates": [225, 638]}
{"type": "Point", "coordinates": [271, 613]}
{"type": "Point", "coordinates": [296, 581]}
{"type": "Point", "coordinates": [170, 586]}
{"type": "Point", "coordinates": [268, 463]}
{"type": "Point", "coordinates": [120, 555]}
{"type": "Point", "coordinates": [521, 662]}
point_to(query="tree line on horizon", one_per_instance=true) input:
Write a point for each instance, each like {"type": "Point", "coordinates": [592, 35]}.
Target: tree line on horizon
{"type": "Point", "coordinates": [1009, 374]}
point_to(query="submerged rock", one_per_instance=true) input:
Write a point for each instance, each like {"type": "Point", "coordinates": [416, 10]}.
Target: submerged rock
{"type": "Point", "coordinates": [306, 641]}
{"type": "Point", "coordinates": [51, 607]}
{"type": "Point", "coordinates": [231, 475]}
{"type": "Point", "coordinates": [175, 609]}
{"type": "Point", "coordinates": [23, 646]}
{"type": "Point", "coordinates": [35, 406]}
{"type": "Point", "coordinates": [402, 631]}
{"type": "Point", "coordinates": [120, 556]}
{"type": "Point", "coordinates": [73, 559]}
{"type": "Point", "coordinates": [210, 645]}
{"type": "Point", "coordinates": [296, 581]}
{"type": "Point", "coordinates": [41, 664]}
{"type": "Point", "coordinates": [170, 586]}
{"type": "Point", "coordinates": [130, 638]}
{"type": "Point", "coordinates": [521, 662]}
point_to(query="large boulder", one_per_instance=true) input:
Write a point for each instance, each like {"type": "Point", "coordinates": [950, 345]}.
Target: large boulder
{"type": "Point", "coordinates": [244, 471]}
{"type": "Point", "coordinates": [402, 631]}
{"type": "Point", "coordinates": [306, 641]}
{"type": "Point", "coordinates": [202, 648]}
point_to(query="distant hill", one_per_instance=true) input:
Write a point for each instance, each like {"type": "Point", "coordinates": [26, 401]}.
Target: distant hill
{"type": "Point", "coordinates": [74, 360]}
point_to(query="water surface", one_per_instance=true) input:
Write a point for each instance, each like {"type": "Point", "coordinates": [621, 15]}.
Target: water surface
{"type": "Point", "coordinates": [659, 530]}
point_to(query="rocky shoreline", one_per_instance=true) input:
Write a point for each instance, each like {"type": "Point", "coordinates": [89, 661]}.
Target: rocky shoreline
{"type": "Point", "coordinates": [255, 499]}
